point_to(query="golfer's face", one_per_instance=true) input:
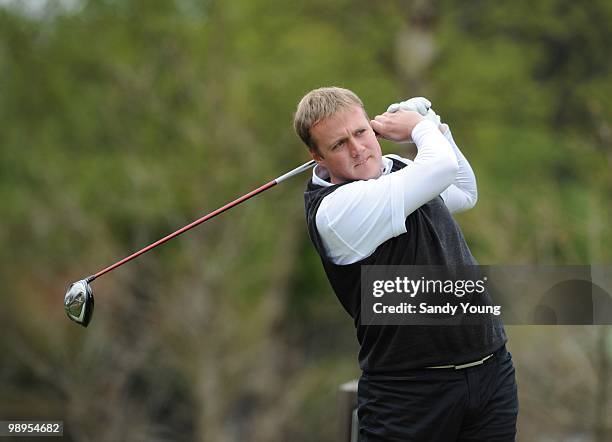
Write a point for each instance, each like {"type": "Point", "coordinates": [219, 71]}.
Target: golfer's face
{"type": "Point", "coordinates": [348, 147]}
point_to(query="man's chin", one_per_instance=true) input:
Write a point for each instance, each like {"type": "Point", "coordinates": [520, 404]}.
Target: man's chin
{"type": "Point", "coordinates": [367, 175]}
{"type": "Point", "coordinates": [370, 170]}
{"type": "Point", "coordinates": [365, 172]}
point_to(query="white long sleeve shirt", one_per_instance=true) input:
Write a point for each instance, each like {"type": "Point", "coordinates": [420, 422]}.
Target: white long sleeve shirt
{"type": "Point", "coordinates": [356, 218]}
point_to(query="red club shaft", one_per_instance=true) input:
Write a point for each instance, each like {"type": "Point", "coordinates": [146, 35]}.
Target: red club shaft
{"type": "Point", "coordinates": [184, 229]}
{"type": "Point", "coordinates": [199, 221]}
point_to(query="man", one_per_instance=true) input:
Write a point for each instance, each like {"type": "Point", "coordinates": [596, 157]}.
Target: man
{"type": "Point", "coordinates": [418, 383]}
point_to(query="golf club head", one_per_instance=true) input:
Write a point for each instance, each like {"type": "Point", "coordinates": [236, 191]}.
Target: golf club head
{"type": "Point", "coordinates": [79, 302]}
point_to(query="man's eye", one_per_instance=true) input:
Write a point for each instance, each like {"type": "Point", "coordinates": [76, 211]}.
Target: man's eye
{"type": "Point", "coordinates": [338, 145]}
{"type": "Point", "coordinates": [360, 132]}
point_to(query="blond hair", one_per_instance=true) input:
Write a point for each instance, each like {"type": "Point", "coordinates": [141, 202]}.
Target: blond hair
{"type": "Point", "coordinates": [319, 104]}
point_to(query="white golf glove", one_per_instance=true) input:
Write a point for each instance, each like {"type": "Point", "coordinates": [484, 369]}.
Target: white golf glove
{"type": "Point", "coordinates": [417, 104]}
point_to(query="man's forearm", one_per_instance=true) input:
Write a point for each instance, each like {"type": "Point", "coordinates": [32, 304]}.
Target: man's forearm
{"type": "Point", "coordinates": [465, 178]}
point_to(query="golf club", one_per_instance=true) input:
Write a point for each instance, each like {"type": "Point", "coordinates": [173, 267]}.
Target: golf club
{"type": "Point", "coordinates": [79, 300]}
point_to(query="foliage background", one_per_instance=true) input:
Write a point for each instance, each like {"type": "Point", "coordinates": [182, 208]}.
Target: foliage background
{"type": "Point", "coordinates": [121, 121]}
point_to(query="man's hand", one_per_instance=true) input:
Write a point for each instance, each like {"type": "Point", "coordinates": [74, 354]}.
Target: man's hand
{"type": "Point", "coordinates": [396, 126]}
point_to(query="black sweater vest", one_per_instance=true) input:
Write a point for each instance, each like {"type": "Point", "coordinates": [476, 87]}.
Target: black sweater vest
{"type": "Point", "coordinates": [432, 238]}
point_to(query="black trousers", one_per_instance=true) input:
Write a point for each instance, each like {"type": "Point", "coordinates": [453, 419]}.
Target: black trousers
{"type": "Point", "coordinates": [473, 404]}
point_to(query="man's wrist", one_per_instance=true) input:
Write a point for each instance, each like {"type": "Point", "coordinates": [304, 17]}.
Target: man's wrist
{"type": "Point", "coordinates": [421, 128]}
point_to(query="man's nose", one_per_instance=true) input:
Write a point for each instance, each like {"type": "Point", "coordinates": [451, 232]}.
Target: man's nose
{"type": "Point", "coordinates": [356, 148]}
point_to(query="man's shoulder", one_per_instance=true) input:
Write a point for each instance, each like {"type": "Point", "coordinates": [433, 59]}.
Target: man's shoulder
{"type": "Point", "coordinates": [314, 194]}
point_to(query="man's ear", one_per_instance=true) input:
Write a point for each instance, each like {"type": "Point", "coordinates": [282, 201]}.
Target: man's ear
{"type": "Point", "coordinates": [316, 155]}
